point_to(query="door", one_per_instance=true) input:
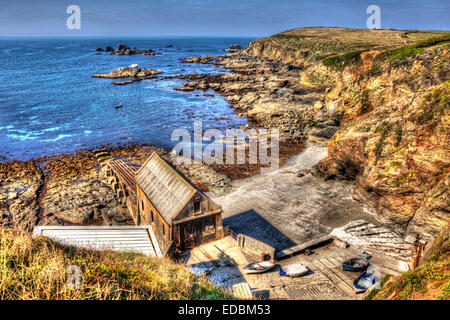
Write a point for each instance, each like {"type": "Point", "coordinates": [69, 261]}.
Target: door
{"type": "Point", "coordinates": [195, 232]}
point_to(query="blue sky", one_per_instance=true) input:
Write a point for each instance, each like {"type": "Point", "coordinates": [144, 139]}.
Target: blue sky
{"type": "Point", "coordinates": [211, 17]}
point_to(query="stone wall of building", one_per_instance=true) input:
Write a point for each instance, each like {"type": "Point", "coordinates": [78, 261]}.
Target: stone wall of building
{"type": "Point", "coordinates": [255, 247]}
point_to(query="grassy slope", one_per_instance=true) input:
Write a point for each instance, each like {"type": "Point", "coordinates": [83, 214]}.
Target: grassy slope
{"type": "Point", "coordinates": [322, 42]}
{"type": "Point", "coordinates": [36, 269]}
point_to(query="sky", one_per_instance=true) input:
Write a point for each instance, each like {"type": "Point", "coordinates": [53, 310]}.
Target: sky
{"type": "Point", "coordinates": [252, 18]}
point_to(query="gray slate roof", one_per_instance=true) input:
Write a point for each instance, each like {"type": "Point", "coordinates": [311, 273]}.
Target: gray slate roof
{"type": "Point", "coordinates": [164, 186]}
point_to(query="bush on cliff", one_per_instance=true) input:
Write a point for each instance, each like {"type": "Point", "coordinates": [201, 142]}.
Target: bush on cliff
{"type": "Point", "coordinates": [37, 269]}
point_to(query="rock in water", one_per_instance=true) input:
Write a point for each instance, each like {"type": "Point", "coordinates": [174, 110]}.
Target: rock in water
{"type": "Point", "coordinates": [234, 48]}
{"type": "Point", "coordinates": [122, 47]}
{"type": "Point", "coordinates": [130, 71]}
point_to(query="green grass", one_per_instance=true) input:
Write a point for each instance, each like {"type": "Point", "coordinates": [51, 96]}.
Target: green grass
{"type": "Point", "coordinates": [338, 46]}
{"type": "Point", "coordinates": [411, 50]}
{"type": "Point", "coordinates": [372, 293]}
{"type": "Point", "coordinates": [36, 269]}
{"type": "Point", "coordinates": [353, 58]}
{"type": "Point", "coordinates": [433, 108]}
{"type": "Point", "coordinates": [384, 128]}
{"type": "Point", "coordinates": [343, 60]}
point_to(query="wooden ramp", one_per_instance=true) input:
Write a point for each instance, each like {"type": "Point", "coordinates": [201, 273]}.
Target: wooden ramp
{"type": "Point", "coordinates": [303, 246]}
{"type": "Point", "coordinates": [240, 290]}
{"type": "Point", "coordinates": [118, 238]}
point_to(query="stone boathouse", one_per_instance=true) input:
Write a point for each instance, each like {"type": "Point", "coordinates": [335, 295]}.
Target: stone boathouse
{"type": "Point", "coordinates": [158, 196]}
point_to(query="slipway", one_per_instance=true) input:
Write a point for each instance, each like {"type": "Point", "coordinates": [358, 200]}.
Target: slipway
{"type": "Point", "coordinates": [139, 239]}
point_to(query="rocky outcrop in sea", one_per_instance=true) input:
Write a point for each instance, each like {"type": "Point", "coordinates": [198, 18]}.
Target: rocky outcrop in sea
{"type": "Point", "coordinates": [132, 71]}
{"type": "Point", "coordinates": [125, 50]}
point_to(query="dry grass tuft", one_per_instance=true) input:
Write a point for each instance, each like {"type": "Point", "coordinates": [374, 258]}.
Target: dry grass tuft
{"type": "Point", "coordinates": [33, 269]}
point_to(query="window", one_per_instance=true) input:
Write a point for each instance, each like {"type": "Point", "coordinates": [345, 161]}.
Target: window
{"type": "Point", "coordinates": [196, 206]}
{"type": "Point", "coordinates": [197, 199]}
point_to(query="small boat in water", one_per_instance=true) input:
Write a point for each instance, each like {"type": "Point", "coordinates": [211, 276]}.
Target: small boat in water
{"type": "Point", "coordinates": [364, 281]}
{"type": "Point", "coordinates": [355, 264]}
{"type": "Point", "coordinates": [259, 267]}
{"type": "Point", "coordinates": [119, 106]}
{"type": "Point", "coordinates": [294, 270]}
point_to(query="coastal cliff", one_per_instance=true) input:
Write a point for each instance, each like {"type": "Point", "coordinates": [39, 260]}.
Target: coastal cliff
{"type": "Point", "coordinates": [390, 92]}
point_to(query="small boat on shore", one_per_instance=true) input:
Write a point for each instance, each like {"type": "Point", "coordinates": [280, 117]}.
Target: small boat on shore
{"type": "Point", "coordinates": [364, 281]}
{"type": "Point", "coordinates": [294, 270]}
{"type": "Point", "coordinates": [355, 264]}
{"type": "Point", "coordinates": [258, 267]}
{"type": "Point", "coordinates": [367, 255]}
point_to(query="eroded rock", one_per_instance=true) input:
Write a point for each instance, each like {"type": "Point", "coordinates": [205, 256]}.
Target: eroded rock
{"type": "Point", "coordinates": [130, 71]}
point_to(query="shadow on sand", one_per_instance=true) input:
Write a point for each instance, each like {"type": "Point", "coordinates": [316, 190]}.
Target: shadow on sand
{"type": "Point", "coordinates": [251, 224]}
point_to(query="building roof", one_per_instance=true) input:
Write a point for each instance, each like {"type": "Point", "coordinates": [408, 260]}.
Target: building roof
{"type": "Point", "coordinates": [125, 172]}
{"type": "Point", "coordinates": [164, 186]}
{"type": "Point", "coordinates": [138, 239]}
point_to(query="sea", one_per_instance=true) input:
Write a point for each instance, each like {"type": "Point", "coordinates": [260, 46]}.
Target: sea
{"type": "Point", "coordinates": [50, 104]}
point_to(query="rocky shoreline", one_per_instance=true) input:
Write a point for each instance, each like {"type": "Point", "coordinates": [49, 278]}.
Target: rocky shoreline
{"type": "Point", "coordinates": [270, 95]}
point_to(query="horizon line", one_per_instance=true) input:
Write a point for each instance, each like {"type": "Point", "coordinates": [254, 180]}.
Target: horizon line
{"type": "Point", "coordinates": [129, 36]}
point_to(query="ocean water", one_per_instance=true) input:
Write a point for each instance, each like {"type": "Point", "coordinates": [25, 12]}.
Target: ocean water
{"type": "Point", "coordinates": [50, 104]}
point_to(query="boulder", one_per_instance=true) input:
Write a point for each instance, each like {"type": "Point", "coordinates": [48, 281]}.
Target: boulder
{"type": "Point", "coordinates": [122, 47]}
{"type": "Point", "coordinates": [130, 71]}
{"type": "Point", "coordinates": [234, 48]}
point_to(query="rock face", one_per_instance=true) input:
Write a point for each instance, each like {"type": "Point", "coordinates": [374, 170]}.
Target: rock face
{"type": "Point", "coordinates": [269, 94]}
{"type": "Point", "coordinates": [234, 48]}
{"type": "Point", "coordinates": [202, 59]}
{"type": "Point", "coordinates": [375, 239]}
{"type": "Point", "coordinates": [20, 185]}
{"type": "Point", "coordinates": [86, 201]}
{"type": "Point", "coordinates": [130, 71]}
{"type": "Point", "coordinates": [57, 190]}
{"type": "Point", "coordinates": [393, 139]}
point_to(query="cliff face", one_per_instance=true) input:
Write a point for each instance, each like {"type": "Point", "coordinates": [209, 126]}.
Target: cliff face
{"type": "Point", "coordinates": [394, 101]}
{"type": "Point", "coordinates": [393, 141]}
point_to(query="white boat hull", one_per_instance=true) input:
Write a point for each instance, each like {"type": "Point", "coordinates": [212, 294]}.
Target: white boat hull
{"type": "Point", "coordinates": [259, 267]}
{"type": "Point", "coordinates": [295, 270]}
